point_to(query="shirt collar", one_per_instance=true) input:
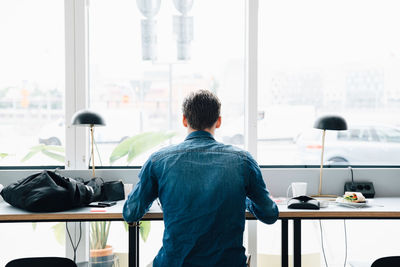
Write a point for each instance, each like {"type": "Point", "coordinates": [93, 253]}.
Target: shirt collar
{"type": "Point", "coordinates": [199, 134]}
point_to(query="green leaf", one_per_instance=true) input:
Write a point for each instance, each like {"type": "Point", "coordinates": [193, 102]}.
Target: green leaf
{"type": "Point", "coordinates": [59, 232]}
{"type": "Point", "coordinates": [55, 156]}
{"type": "Point", "coordinates": [136, 145]}
{"type": "Point", "coordinates": [38, 147]}
{"type": "Point", "coordinates": [107, 232]}
{"type": "Point", "coordinates": [3, 155]}
{"type": "Point", "coordinates": [46, 149]}
{"type": "Point", "coordinates": [145, 143]}
{"type": "Point", "coordinates": [126, 226]}
{"type": "Point", "coordinates": [54, 148]}
{"type": "Point", "coordinates": [99, 231]}
{"type": "Point", "coordinates": [144, 229]}
{"type": "Point", "coordinates": [29, 155]}
{"type": "Point", "coordinates": [121, 149]}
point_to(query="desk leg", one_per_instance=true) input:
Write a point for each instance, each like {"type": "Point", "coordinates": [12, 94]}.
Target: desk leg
{"type": "Point", "coordinates": [285, 243]}
{"type": "Point", "coordinates": [297, 242]}
{"type": "Point", "coordinates": [133, 246]}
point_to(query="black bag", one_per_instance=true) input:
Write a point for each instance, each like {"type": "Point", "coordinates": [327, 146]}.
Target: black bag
{"type": "Point", "coordinates": [106, 191]}
{"type": "Point", "coordinates": [48, 191]}
{"type": "Point", "coordinates": [113, 190]}
{"type": "Point", "coordinates": [97, 184]}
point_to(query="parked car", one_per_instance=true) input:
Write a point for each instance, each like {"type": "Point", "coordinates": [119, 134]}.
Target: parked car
{"type": "Point", "coordinates": [361, 144]}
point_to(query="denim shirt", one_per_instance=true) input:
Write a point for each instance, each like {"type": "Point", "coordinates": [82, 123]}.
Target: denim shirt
{"type": "Point", "coordinates": [204, 188]}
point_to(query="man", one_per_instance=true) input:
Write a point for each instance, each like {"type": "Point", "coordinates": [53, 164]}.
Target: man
{"type": "Point", "coordinates": [204, 188]}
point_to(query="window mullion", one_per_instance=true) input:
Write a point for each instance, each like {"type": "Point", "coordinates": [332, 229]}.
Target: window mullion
{"type": "Point", "coordinates": [76, 94]}
{"type": "Point", "coordinates": [251, 54]}
{"type": "Point", "coordinates": [76, 98]}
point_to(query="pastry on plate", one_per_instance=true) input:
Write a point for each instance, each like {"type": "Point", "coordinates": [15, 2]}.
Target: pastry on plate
{"type": "Point", "coordinates": [353, 197]}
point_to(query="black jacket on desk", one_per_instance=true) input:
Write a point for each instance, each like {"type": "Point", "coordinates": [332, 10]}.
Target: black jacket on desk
{"type": "Point", "coordinates": [48, 191]}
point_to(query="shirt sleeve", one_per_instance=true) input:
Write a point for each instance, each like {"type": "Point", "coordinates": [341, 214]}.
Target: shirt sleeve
{"type": "Point", "coordinates": [258, 201]}
{"type": "Point", "coordinates": [142, 196]}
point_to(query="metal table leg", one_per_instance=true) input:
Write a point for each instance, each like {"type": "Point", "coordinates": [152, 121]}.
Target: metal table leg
{"type": "Point", "coordinates": [134, 245]}
{"type": "Point", "coordinates": [285, 243]}
{"type": "Point", "coordinates": [297, 242]}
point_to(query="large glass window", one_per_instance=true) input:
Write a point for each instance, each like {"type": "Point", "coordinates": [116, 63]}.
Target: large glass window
{"type": "Point", "coordinates": [31, 240]}
{"type": "Point", "coordinates": [146, 56]}
{"type": "Point", "coordinates": [145, 59]}
{"type": "Point", "coordinates": [32, 82]}
{"type": "Point", "coordinates": [332, 57]}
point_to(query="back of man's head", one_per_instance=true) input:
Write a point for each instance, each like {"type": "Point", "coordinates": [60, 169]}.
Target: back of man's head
{"type": "Point", "coordinates": [201, 109]}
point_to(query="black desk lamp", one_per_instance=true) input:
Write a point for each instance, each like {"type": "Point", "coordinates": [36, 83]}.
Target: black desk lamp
{"type": "Point", "coordinates": [88, 118]}
{"type": "Point", "coordinates": [327, 123]}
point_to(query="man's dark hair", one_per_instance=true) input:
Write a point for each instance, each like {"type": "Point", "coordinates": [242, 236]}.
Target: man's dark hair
{"type": "Point", "coordinates": [201, 109]}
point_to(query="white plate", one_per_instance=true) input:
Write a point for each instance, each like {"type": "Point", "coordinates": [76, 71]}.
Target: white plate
{"type": "Point", "coordinates": [342, 202]}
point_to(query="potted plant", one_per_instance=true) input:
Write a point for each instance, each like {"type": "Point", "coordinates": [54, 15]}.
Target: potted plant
{"type": "Point", "coordinates": [101, 254]}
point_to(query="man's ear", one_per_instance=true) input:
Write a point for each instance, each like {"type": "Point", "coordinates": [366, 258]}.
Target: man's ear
{"type": "Point", "coordinates": [184, 121]}
{"type": "Point", "coordinates": [218, 124]}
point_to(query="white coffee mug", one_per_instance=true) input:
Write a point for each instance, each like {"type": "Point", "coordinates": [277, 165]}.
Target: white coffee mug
{"type": "Point", "coordinates": [298, 189]}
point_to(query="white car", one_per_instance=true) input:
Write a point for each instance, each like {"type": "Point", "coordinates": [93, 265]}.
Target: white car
{"type": "Point", "coordinates": [360, 145]}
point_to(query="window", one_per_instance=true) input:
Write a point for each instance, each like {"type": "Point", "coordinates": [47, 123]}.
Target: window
{"type": "Point", "coordinates": [31, 240]}
{"type": "Point", "coordinates": [31, 109]}
{"type": "Point", "coordinates": [145, 59]}
{"type": "Point", "coordinates": [32, 82]}
{"type": "Point", "coordinates": [315, 58]}
{"type": "Point", "coordinates": [142, 67]}
{"type": "Point", "coordinates": [335, 57]}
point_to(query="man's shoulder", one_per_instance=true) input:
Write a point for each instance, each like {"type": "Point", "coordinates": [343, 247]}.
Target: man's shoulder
{"type": "Point", "coordinates": [162, 152]}
{"type": "Point", "coordinates": [184, 148]}
{"type": "Point", "coordinates": [243, 154]}
{"type": "Point", "coordinates": [233, 149]}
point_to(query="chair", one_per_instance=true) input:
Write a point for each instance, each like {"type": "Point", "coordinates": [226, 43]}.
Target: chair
{"type": "Point", "coordinates": [387, 262]}
{"type": "Point", "coordinates": [41, 262]}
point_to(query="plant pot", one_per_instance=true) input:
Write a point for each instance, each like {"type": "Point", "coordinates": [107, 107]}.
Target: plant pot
{"type": "Point", "coordinates": [102, 257]}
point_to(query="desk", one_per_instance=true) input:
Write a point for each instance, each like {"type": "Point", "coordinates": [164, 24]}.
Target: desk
{"type": "Point", "coordinates": [381, 208]}
{"type": "Point", "coordinates": [9, 214]}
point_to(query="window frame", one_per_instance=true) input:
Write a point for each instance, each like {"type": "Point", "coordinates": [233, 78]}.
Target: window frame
{"type": "Point", "coordinates": [77, 96]}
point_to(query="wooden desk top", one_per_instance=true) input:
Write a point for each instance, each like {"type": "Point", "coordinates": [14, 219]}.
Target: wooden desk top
{"type": "Point", "coordinates": [9, 213]}
{"type": "Point", "coordinates": [377, 209]}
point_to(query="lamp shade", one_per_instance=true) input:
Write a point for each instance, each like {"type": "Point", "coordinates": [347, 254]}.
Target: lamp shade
{"type": "Point", "coordinates": [87, 118]}
{"type": "Point", "coordinates": [331, 123]}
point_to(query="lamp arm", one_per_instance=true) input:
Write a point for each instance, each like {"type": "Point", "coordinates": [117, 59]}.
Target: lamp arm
{"type": "Point", "coordinates": [92, 150]}
{"type": "Point", "coordinates": [322, 162]}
